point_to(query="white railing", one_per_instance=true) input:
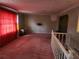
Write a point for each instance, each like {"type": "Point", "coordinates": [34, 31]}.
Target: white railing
{"type": "Point", "coordinates": [63, 37]}
{"type": "Point", "coordinates": [59, 51]}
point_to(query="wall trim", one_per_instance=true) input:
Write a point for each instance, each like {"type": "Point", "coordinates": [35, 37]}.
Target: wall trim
{"type": "Point", "coordinates": [8, 8]}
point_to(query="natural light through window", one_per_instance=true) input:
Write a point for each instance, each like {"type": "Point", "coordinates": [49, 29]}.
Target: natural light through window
{"type": "Point", "coordinates": [78, 25]}
{"type": "Point", "coordinates": [7, 22]}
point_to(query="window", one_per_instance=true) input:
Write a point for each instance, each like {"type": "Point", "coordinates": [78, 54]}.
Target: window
{"type": "Point", "coordinates": [78, 26]}
{"type": "Point", "coordinates": [7, 25]}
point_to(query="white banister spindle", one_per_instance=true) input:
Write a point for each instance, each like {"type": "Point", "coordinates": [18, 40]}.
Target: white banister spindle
{"type": "Point", "coordinates": [58, 42]}
{"type": "Point", "coordinates": [62, 37]}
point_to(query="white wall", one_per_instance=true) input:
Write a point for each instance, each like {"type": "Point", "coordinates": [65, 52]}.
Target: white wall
{"type": "Point", "coordinates": [46, 27]}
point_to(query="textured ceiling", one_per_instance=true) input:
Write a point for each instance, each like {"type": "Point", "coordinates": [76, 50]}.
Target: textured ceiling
{"type": "Point", "coordinates": [40, 6]}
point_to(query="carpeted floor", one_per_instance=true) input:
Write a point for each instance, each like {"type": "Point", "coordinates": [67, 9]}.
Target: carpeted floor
{"type": "Point", "coordinates": [34, 46]}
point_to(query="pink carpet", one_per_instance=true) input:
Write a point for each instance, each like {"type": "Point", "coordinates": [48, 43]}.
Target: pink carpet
{"type": "Point", "coordinates": [34, 46]}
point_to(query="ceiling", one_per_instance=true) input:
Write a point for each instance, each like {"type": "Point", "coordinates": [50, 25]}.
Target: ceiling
{"type": "Point", "coordinates": [40, 6]}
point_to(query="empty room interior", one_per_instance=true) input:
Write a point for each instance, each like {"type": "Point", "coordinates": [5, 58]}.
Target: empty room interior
{"type": "Point", "coordinates": [39, 29]}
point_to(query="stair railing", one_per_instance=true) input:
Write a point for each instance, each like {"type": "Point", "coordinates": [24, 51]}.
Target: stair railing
{"type": "Point", "coordinates": [58, 46]}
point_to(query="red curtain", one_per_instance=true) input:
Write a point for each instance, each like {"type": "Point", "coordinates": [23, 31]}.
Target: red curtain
{"type": "Point", "coordinates": [7, 26]}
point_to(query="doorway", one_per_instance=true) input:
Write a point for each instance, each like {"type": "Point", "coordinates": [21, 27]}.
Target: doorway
{"type": "Point", "coordinates": [63, 23]}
